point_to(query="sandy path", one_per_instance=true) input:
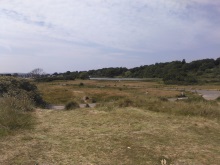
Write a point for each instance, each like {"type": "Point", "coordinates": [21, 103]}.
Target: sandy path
{"type": "Point", "coordinates": [62, 107]}
{"type": "Point", "coordinates": [208, 94]}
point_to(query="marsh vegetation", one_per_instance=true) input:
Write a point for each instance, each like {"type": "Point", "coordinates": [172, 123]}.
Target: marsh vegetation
{"type": "Point", "coordinates": [133, 122]}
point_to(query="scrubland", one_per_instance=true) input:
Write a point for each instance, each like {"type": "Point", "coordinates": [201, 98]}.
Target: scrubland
{"type": "Point", "coordinates": [132, 123]}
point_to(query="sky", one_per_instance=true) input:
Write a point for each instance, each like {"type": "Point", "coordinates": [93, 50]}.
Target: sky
{"type": "Point", "coordinates": [78, 35]}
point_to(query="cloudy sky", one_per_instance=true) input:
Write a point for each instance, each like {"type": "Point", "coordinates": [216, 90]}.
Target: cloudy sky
{"type": "Point", "coordinates": [62, 35]}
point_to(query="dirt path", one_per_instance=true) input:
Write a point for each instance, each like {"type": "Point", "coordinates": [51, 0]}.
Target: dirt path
{"type": "Point", "coordinates": [62, 107]}
{"type": "Point", "coordinates": [57, 107]}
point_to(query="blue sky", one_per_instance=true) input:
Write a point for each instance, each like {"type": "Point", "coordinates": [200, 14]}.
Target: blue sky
{"type": "Point", "coordinates": [62, 35]}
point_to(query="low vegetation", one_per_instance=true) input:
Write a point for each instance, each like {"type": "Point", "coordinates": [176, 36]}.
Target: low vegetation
{"type": "Point", "coordinates": [71, 105]}
{"type": "Point", "coordinates": [121, 136]}
{"type": "Point", "coordinates": [132, 123]}
{"type": "Point", "coordinates": [147, 96]}
{"type": "Point", "coordinates": [17, 100]}
{"type": "Point", "coordinates": [14, 115]}
{"type": "Point", "coordinates": [15, 86]}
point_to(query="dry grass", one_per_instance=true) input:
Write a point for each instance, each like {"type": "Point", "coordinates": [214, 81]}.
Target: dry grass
{"type": "Point", "coordinates": [55, 93]}
{"type": "Point", "coordinates": [146, 95]}
{"type": "Point", "coordinates": [122, 136]}
{"type": "Point", "coordinates": [132, 125]}
{"type": "Point", "coordinates": [155, 92]}
{"type": "Point", "coordinates": [61, 92]}
{"type": "Point", "coordinates": [15, 113]}
{"type": "Point", "coordinates": [202, 86]}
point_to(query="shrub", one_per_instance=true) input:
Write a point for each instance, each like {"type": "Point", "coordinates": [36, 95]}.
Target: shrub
{"type": "Point", "coordinates": [17, 99]}
{"type": "Point", "coordinates": [15, 86]}
{"type": "Point", "coordinates": [71, 105]}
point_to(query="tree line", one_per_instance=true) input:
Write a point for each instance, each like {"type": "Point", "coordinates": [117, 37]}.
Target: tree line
{"type": "Point", "coordinates": [175, 72]}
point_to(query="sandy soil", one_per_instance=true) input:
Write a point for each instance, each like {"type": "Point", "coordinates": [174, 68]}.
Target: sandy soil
{"type": "Point", "coordinates": [208, 94]}
{"type": "Point", "coordinates": [62, 107]}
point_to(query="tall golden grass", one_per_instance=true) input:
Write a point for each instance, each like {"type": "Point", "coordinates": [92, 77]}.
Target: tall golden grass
{"type": "Point", "coordinates": [145, 95]}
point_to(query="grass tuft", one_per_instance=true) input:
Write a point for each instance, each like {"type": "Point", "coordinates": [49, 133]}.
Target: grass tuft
{"type": "Point", "coordinates": [15, 114]}
{"type": "Point", "coordinates": [71, 105]}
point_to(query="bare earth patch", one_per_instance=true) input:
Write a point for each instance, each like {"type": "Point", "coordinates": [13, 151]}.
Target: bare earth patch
{"type": "Point", "coordinates": [209, 94]}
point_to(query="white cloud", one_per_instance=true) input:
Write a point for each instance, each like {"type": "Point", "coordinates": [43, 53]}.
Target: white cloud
{"type": "Point", "coordinates": [150, 26]}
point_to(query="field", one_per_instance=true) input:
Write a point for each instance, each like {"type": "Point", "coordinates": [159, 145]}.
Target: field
{"type": "Point", "coordinates": [132, 123]}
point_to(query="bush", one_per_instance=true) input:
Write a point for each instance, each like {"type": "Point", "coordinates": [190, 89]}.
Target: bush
{"type": "Point", "coordinates": [71, 105]}
{"type": "Point", "coordinates": [15, 86]}
{"type": "Point", "coordinates": [17, 99]}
